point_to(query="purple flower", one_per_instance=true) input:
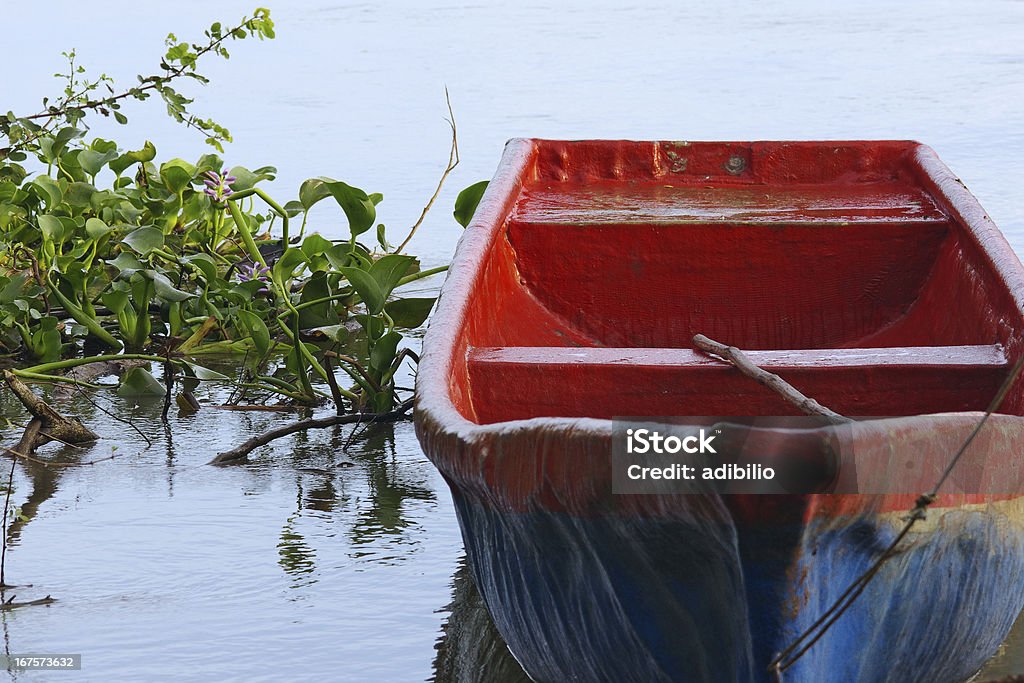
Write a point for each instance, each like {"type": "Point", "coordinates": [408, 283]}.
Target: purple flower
{"type": "Point", "coordinates": [217, 185]}
{"type": "Point", "coordinates": [253, 271]}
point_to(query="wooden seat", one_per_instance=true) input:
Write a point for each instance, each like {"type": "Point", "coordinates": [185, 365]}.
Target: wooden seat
{"type": "Point", "coordinates": [510, 383]}
{"type": "Point", "coordinates": [659, 203]}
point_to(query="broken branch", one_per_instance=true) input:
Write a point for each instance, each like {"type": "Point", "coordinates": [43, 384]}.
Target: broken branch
{"type": "Point", "coordinates": [240, 452]}
{"type": "Point", "coordinates": [741, 362]}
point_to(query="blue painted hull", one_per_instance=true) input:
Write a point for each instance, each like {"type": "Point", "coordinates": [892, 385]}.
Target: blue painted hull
{"type": "Point", "coordinates": [703, 597]}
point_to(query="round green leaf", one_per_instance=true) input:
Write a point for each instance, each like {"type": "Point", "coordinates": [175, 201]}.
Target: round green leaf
{"type": "Point", "coordinates": [51, 227]}
{"type": "Point", "coordinates": [93, 161]}
{"type": "Point", "coordinates": [96, 228]}
{"type": "Point", "coordinates": [177, 175]}
{"type": "Point", "coordinates": [356, 204]}
{"type": "Point", "coordinates": [467, 201]}
{"type": "Point", "coordinates": [410, 313]}
{"type": "Point", "coordinates": [144, 240]}
{"type": "Point", "coordinates": [367, 289]}
{"type": "Point", "coordinates": [257, 330]}
{"type": "Point", "coordinates": [138, 382]}
{"type": "Point", "coordinates": [313, 190]}
{"type": "Point", "coordinates": [48, 188]}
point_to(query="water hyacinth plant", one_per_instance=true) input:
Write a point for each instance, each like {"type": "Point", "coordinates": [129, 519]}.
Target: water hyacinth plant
{"type": "Point", "coordinates": [170, 261]}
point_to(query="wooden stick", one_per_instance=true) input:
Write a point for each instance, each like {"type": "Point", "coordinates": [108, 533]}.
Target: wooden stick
{"type": "Point", "coordinates": [780, 386]}
{"type": "Point", "coordinates": [10, 604]}
{"type": "Point", "coordinates": [46, 424]}
{"type": "Point", "coordinates": [240, 452]}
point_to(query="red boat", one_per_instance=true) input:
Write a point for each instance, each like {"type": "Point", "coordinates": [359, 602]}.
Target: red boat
{"type": "Point", "coordinates": [864, 274]}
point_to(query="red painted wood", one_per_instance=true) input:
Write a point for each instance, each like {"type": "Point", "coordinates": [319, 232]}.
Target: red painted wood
{"type": "Point", "coordinates": [983, 357]}
{"type": "Point", "coordinates": [657, 203]}
{"type": "Point", "coordinates": [761, 286]}
{"type": "Point", "coordinates": [519, 383]}
{"type": "Point", "coordinates": [815, 245]}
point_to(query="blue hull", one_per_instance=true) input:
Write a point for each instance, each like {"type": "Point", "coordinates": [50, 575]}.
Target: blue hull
{"type": "Point", "coordinates": [701, 597]}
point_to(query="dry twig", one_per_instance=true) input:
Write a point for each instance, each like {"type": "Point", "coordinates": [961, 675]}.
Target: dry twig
{"type": "Point", "coordinates": [242, 451]}
{"type": "Point", "coordinates": [453, 161]}
{"type": "Point", "coordinates": [780, 386]}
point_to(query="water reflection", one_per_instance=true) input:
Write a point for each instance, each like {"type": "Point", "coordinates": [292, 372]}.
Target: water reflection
{"type": "Point", "coordinates": [296, 557]}
{"type": "Point", "coordinates": [390, 490]}
{"type": "Point", "coordinates": [43, 480]}
{"type": "Point", "coordinates": [470, 649]}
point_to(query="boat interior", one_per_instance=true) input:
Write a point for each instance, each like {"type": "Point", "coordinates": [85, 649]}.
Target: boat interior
{"type": "Point", "coordinates": [839, 266]}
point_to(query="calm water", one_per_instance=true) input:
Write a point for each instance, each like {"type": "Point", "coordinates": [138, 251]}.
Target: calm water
{"type": "Point", "coordinates": [313, 563]}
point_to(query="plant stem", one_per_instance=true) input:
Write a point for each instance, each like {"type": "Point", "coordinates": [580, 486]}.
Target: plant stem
{"type": "Point", "coordinates": [75, 362]}
{"type": "Point", "coordinates": [420, 275]}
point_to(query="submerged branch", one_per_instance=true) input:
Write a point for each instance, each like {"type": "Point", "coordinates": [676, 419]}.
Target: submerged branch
{"type": "Point", "coordinates": [242, 451]}
{"type": "Point", "coordinates": [11, 604]}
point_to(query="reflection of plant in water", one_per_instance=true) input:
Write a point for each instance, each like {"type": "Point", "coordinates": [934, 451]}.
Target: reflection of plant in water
{"type": "Point", "coordinates": [295, 556]}
{"type": "Point", "coordinates": [368, 493]}
{"type": "Point", "coordinates": [384, 516]}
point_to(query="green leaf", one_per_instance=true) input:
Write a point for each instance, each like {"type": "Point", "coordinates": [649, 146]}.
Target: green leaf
{"type": "Point", "coordinates": [467, 201]}
{"type": "Point", "coordinates": [315, 289]}
{"type": "Point", "coordinates": [288, 263]}
{"type": "Point", "coordinates": [126, 263]}
{"type": "Point", "coordinates": [356, 204]}
{"type": "Point", "coordinates": [383, 352]}
{"type": "Point", "coordinates": [115, 300]}
{"type": "Point", "coordinates": [382, 239]}
{"type": "Point", "coordinates": [96, 228]}
{"type": "Point", "coordinates": [48, 188]}
{"type": "Point", "coordinates": [315, 244]}
{"type": "Point", "coordinates": [337, 333]}
{"type": "Point", "coordinates": [147, 153]}
{"type": "Point", "coordinates": [11, 289]}
{"type": "Point", "coordinates": [205, 263]}
{"type": "Point", "coordinates": [367, 289]}
{"type": "Point", "coordinates": [46, 340]}
{"type": "Point", "coordinates": [93, 161]}
{"type": "Point", "coordinates": [67, 134]}
{"type": "Point", "coordinates": [144, 240]}
{"type": "Point", "coordinates": [79, 195]}
{"type": "Point", "coordinates": [245, 179]}
{"type": "Point", "coordinates": [209, 162]}
{"type": "Point", "coordinates": [206, 374]}
{"type": "Point", "coordinates": [384, 401]}
{"type": "Point", "coordinates": [51, 227]}
{"type": "Point", "coordinates": [256, 330]}
{"type": "Point", "coordinates": [313, 190]}
{"type": "Point", "coordinates": [177, 175]}
{"type": "Point", "coordinates": [138, 382]}
{"type": "Point", "coordinates": [340, 255]}
{"type": "Point", "coordinates": [164, 289]}
{"type": "Point", "coordinates": [410, 313]}
{"type": "Point", "coordinates": [388, 270]}
{"type": "Point", "coordinates": [103, 146]}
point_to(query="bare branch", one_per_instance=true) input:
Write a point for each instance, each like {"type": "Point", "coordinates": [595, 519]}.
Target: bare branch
{"type": "Point", "coordinates": [242, 451]}
{"type": "Point", "coordinates": [780, 386]}
{"type": "Point", "coordinates": [453, 161]}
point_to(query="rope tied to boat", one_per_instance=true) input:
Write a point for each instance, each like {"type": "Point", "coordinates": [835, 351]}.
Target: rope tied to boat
{"type": "Point", "coordinates": [812, 634]}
